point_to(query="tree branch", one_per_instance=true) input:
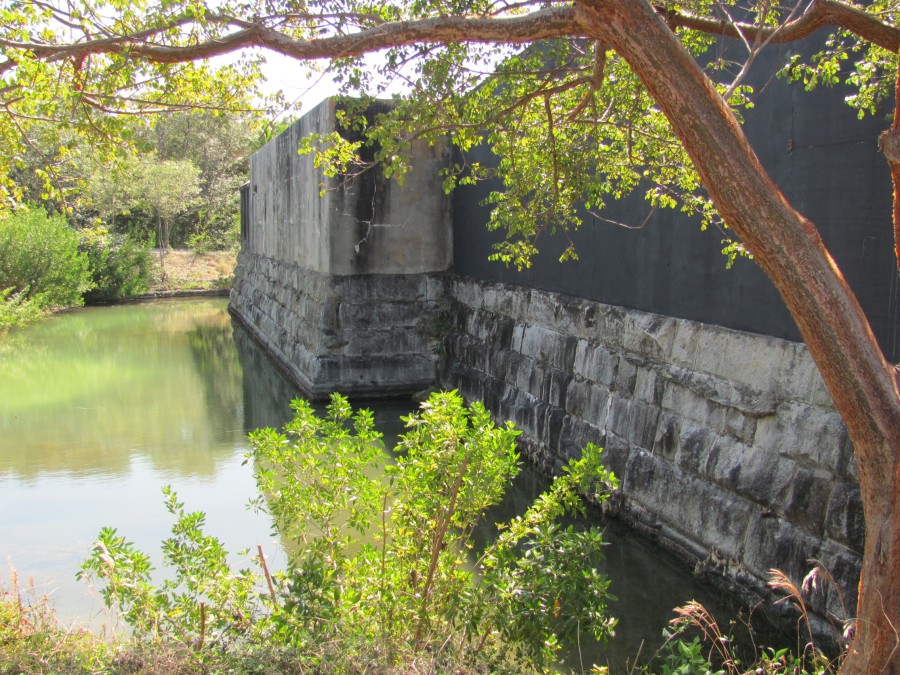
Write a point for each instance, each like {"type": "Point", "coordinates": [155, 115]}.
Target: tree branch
{"type": "Point", "coordinates": [819, 14]}
{"type": "Point", "coordinates": [543, 24]}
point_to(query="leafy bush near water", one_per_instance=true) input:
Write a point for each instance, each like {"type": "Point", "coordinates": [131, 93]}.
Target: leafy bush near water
{"type": "Point", "coordinates": [17, 310]}
{"type": "Point", "coordinates": [384, 577]}
{"type": "Point", "coordinates": [120, 267]}
{"type": "Point", "coordinates": [46, 264]}
{"type": "Point", "coordinates": [40, 259]}
{"type": "Point", "coordinates": [383, 574]}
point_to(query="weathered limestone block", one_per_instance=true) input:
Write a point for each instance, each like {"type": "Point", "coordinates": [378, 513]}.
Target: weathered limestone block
{"type": "Point", "coordinates": [632, 420]}
{"type": "Point", "coordinates": [547, 347]}
{"type": "Point", "coordinates": [588, 401]}
{"type": "Point", "coordinates": [844, 518]}
{"type": "Point", "coordinates": [649, 335]}
{"type": "Point", "coordinates": [649, 481]}
{"type": "Point", "coordinates": [810, 433]}
{"type": "Point", "coordinates": [595, 363]}
{"type": "Point", "coordinates": [769, 537]}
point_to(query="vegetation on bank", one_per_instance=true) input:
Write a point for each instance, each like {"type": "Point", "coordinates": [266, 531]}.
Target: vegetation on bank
{"type": "Point", "coordinates": [47, 264]}
{"type": "Point", "coordinates": [384, 575]}
{"type": "Point", "coordinates": [84, 230]}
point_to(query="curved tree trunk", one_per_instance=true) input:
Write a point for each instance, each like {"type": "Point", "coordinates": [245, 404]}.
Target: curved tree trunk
{"type": "Point", "coordinates": [789, 249]}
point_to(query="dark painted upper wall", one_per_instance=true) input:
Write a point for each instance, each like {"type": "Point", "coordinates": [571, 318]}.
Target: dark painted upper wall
{"type": "Point", "coordinates": [824, 159]}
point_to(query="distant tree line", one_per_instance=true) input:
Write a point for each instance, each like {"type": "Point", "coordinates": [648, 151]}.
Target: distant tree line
{"type": "Point", "coordinates": [176, 185]}
{"type": "Point", "coordinates": [80, 224]}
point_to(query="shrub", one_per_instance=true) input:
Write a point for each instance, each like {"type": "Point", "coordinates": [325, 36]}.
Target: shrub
{"type": "Point", "coordinates": [120, 267]}
{"type": "Point", "coordinates": [39, 259]}
{"type": "Point", "coordinates": [212, 238]}
{"type": "Point", "coordinates": [16, 310]}
{"type": "Point", "coordinates": [383, 576]}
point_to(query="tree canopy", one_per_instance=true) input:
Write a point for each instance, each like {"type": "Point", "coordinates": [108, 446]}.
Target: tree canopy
{"type": "Point", "coordinates": [583, 101]}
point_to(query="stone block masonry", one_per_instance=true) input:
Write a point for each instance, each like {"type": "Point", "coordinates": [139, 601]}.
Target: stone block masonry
{"type": "Point", "coordinates": [369, 336]}
{"type": "Point", "coordinates": [728, 448]}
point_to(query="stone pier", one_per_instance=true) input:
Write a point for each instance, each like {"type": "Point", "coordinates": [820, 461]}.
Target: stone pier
{"type": "Point", "coordinates": [340, 278]}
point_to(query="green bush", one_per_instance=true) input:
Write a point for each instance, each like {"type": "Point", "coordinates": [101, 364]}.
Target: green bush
{"type": "Point", "coordinates": [383, 575]}
{"type": "Point", "coordinates": [120, 268]}
{"type": "Point", "coordinates": [16, 310]}
{"type": "Point", "coordinates": [216, 237]}
{"type": "Point", "coordinates": [39, 259]}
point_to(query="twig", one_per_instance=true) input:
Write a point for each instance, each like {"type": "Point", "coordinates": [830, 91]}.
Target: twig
{"type": "Point", "coordinates": [436, 547]}
{"type": "Point", "coordinates": [202, 626]}
{"type": "Point", "coordinates": [262, 561]}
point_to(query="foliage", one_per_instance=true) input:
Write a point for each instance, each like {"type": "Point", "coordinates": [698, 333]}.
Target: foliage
{"type": "Point", "coordinates": [410, 589]}
{"type": "Point", "coordinates": [697, 644]}
{"type": "Point", "coordinates": [205, 602]}
{"type": "Point", "coordinates": [98, 96]}
{"type": "Point", "coordinates": [120, 267]}
{"type": "Point", "coordinates": [171, 188]}
{"type": "Point", "coordinates": [382, 569]}
{"type": "Point", "coordinates": [572, 125]}
{"type": "Point", "coordinates": [219, 147]}
{"type": "Point", "coordinates": [40, 259]}
{"type": "Point", "coordinates": [17, 310]}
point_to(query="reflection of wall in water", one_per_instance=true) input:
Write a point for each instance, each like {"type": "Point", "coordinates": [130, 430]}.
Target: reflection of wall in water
{"type": "Point", "coordinates": [216, 360]}
{"type": "Point", "coordinates": [267, 392]}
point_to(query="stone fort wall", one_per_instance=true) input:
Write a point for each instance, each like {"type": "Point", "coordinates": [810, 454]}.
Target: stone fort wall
{"type": "Point", "coordinates": [689, 375]}
{"type": "Point", "coordinates": [727, 446]}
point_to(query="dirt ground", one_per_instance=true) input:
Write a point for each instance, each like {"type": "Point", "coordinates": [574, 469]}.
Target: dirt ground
{"type": "Point", "coordinates": [186, 271]}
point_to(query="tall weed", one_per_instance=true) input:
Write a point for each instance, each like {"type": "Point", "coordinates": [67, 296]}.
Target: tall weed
{"type": "Point", "coordinates": [33, 641]}
{"type": "Point", "coordinates": [697, 643]}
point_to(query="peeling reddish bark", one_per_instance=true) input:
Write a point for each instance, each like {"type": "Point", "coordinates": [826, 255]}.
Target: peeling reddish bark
{"type": "Point", "coordinates": [894, 162]}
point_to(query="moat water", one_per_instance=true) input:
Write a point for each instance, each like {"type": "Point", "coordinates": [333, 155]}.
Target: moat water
{"type": "Point", "coordinates": [102, 407]}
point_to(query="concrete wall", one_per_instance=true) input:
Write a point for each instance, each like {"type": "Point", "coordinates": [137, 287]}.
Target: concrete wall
{"type": "Point", "coordinates": [360, 225]}
{"type": "Point", "coordinates": [337, 287]}
{"type": "Point", "coordinates": [728, 447]}
{"type": "Point", "coordinates": [824, 159]}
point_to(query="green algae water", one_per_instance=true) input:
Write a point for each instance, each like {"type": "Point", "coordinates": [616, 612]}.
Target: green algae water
{"type": "Point", "coordinates": [102, 407]}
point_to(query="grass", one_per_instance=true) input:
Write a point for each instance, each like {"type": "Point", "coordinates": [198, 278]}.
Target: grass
{"type": "Point", "coordinates": [33, 641]}
{"type": "Point", "coordinates": [189, 271]}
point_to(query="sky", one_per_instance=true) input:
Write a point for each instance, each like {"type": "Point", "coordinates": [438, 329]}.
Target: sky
{"type": "Point", "coordinates": [296, 81]}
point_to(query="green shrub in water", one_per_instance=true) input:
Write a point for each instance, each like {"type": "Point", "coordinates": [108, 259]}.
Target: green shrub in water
{"type": "Point", "coordinates": [40, 259]}
{"type": "Point", "coordinates": [383, 573]}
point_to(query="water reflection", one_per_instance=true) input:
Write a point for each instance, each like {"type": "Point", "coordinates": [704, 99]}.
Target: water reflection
{"type": "Point", "coordinates": [213, 347]}
{"type": "Point", "coordinates": [92, 391]}
{"type": "Point", "coordinates": [100, 408]}
{"type": "Point", "coordinates": [267, 394]}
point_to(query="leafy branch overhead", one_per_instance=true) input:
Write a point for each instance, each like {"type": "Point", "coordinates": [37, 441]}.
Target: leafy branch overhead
{"type": "Point", "coordinates": [572, 125]}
